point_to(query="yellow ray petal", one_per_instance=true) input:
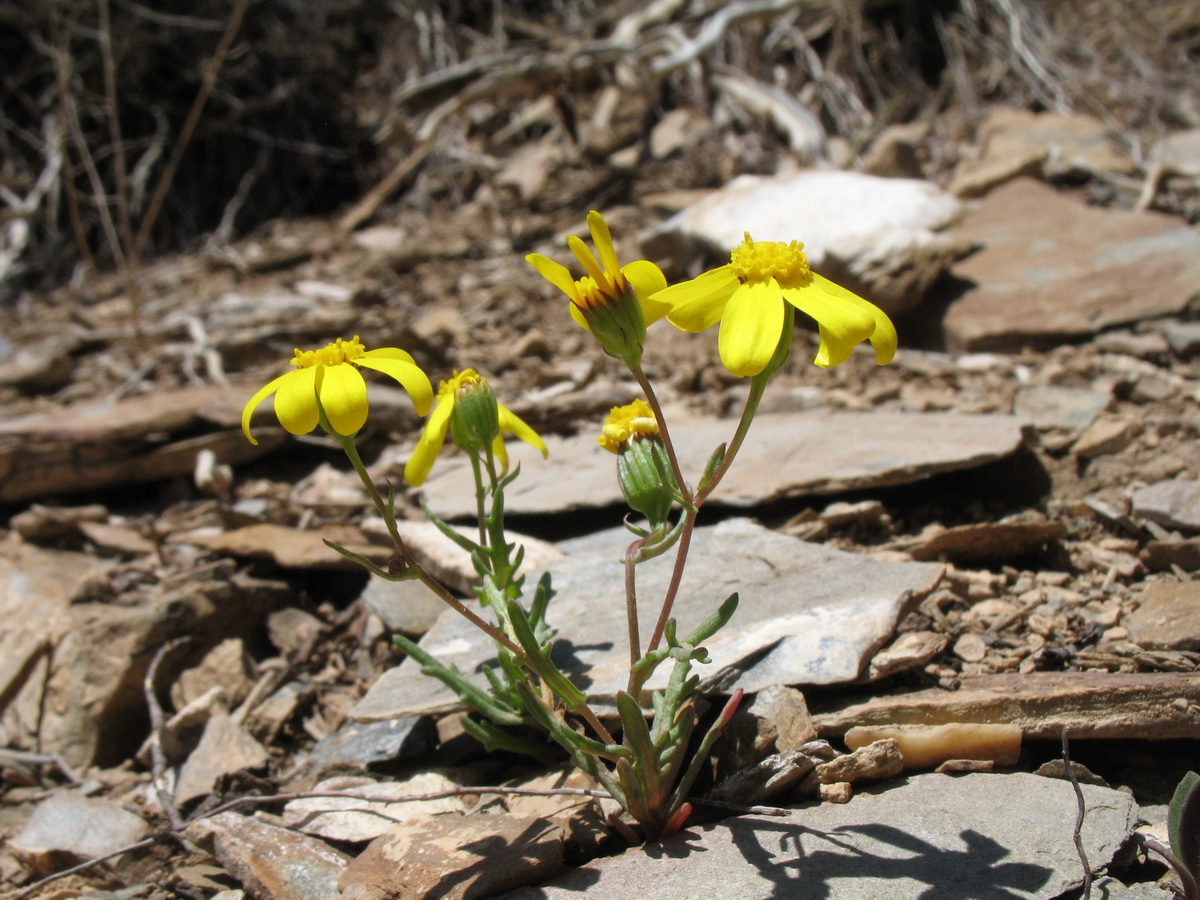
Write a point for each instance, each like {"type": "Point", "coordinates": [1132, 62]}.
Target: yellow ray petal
{"type": "Point", "coordinates": [296, 400]}
{"type": "Point", "coordinates": [698, 304]}
{"type": "Point", "coordinates": [555, 273]}
{"type": "Point", "coordinates": [417, 469]}
{"type": "Point", "coordinates": [844, 322]}
{"type": "Point", "coordinates": [602, 238]}
{"type": "Point", "coordinates": [500, 452]}
{"type": "Point", "coordinates": [343, 396]}
{"type": "Point", "coordinates": [884, 337]}
{"type": "Point", "coordinates": [584, 255]}
{"type": "Point", "coordinates": [405, 371]}
{"type": "Point", "coordinates": [751, 328]}
{"type": "Point", "coordinates": [252, 404]}
{"type": "Point", "coordinates": [647, 279]}
{"type": "Point", "coordinates": [510, 423]}
{"type": "Point", "coordinates": [387, 353]}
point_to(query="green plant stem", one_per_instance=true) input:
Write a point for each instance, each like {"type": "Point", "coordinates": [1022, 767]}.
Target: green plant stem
{"type": "Point", "coordinates": [664, 432]}
{"type": "Point", "coordinates": [757, 387]}
{"type": "Point", "coordinates": [389, 518]}
{"type": "Point", "coordinates": [480, 492]}
{"type": "Point", "coordinates": [631, 610]}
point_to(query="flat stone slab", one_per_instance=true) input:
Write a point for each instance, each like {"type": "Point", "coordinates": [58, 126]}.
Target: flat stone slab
{"type": "Point", "coordinates": [809, 614]}
{"type": "Point", "coordinates": [785, 455]}
{"type": "Point", "coordinates": [1167, 617]}
{"type": "Point", "coordinates": [92, 445]}
{"type": "Point", "coordinates": [929, 836]}
{"type": "Point", "coordinates": [1103, 705]}
{"type": "Point", "coordinates": [1052, 268]}
{"type": "Point", "coordinates": [1175, 504]}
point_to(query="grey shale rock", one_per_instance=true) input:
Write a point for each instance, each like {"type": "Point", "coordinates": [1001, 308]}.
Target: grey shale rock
{"type": "Point", "coordinates": [1069, 271]}
{"type": "Point", "coordinates": [1053, 406]}
{"type": "Point", "coordinates": [929, 836]}
{"type": "Point", "coordinates": [784, 455]}
{"type": "Point", "coordinates": [357, 745]}
{"type": "Point", "coordinates": [1175, 504]}
{"type": "Point", "coordinates": [808, 614]}
{"type": "Point", "coordinates": [68, 828]}
{"type": "Point", "coordinates": [273, 863]}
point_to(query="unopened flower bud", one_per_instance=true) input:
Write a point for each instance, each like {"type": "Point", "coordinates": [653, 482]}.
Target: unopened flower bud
{"type": "Point", "coordinates": [475, 418]}
{"type": "Point", "coordinates": [643, 466]}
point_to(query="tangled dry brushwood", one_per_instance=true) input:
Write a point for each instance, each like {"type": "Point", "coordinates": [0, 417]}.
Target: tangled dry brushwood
{"type": "Point", "coordinates": [130, 129]}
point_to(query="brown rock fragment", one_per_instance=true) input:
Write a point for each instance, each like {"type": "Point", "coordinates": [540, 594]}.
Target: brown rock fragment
{"type": "Point", "coordinates": [273, 863]}
{"type": "Point", "coordinates": [872, 762]}
{"type": "Point", "coordinates": [1168, 617]}
{"type": "Point", "coordinates": [475, 857]}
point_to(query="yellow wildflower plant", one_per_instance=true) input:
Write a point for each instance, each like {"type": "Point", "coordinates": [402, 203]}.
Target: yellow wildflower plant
{"type": "Point", "coordinates": [327, 380]}
{"type": "Point", "coordinates": [462, 385]}
{"type": "Point", "coordinates": [627, 423]}
{"type": "Point", "coordinates": [612, 301]}
{"type": "Point", "coordinates": [747, 297]}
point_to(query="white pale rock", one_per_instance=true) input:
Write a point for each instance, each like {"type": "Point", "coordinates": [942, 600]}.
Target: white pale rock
{"type": "Point", "coordinates": [879, 231]}
{"type": "Point", "coordinates": [785, 455]}
{"type": "Point", "coordinates": [68, 828]}
{"type": "Point", "coordinates": [357, 820]}
{"type": "Point", "coordinates": [808, 614]}
{"type": "Point", "coordinates": [830, 211]}
{"type": "Point", "coordinates": [933, 836]}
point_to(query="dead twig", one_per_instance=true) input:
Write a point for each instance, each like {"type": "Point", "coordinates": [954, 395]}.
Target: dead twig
{"type": "Point", "coordinates": [1087, 869]}
{"type": "Point", "coordinates": [24, 758]}
{"type": "Point", "coordinates": [158, 760]}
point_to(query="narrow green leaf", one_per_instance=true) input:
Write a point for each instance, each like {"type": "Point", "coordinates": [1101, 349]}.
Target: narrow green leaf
{"type": "Point", "coordinates": [1183, 823]}
{"type": "Point", "coordinates": [450, 531]}
{"type": "Point", "coordinates": [710, 468]}
{"type": "Point", "coordinates": [471, 694]}
{"type": "Point", "coordinates": [715, 622]}
{"type": "Point", "coordinates": [372, 567]}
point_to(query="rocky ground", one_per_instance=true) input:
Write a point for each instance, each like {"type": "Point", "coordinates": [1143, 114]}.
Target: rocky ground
{"type": "Point", "coordinates": [996, 533]}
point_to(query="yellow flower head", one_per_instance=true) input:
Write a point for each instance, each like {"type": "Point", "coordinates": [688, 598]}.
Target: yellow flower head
{"type": "Point", "coordinates": [462, 385]}
{"type": "Point", "coordinates": [328, 380]}
{"type": "Point", "coordinates": [627, 423]}
{"type": "Point", "coordinates": [747, 297]}
{"type": "Point", "coordinates": [612, 301]}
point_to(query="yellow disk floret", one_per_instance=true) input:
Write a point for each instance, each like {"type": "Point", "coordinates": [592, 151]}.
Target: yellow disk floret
{"type": "Point", "coordinates": [762, 260]}
{"type": "Point", "coordinates": [627, 423]}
